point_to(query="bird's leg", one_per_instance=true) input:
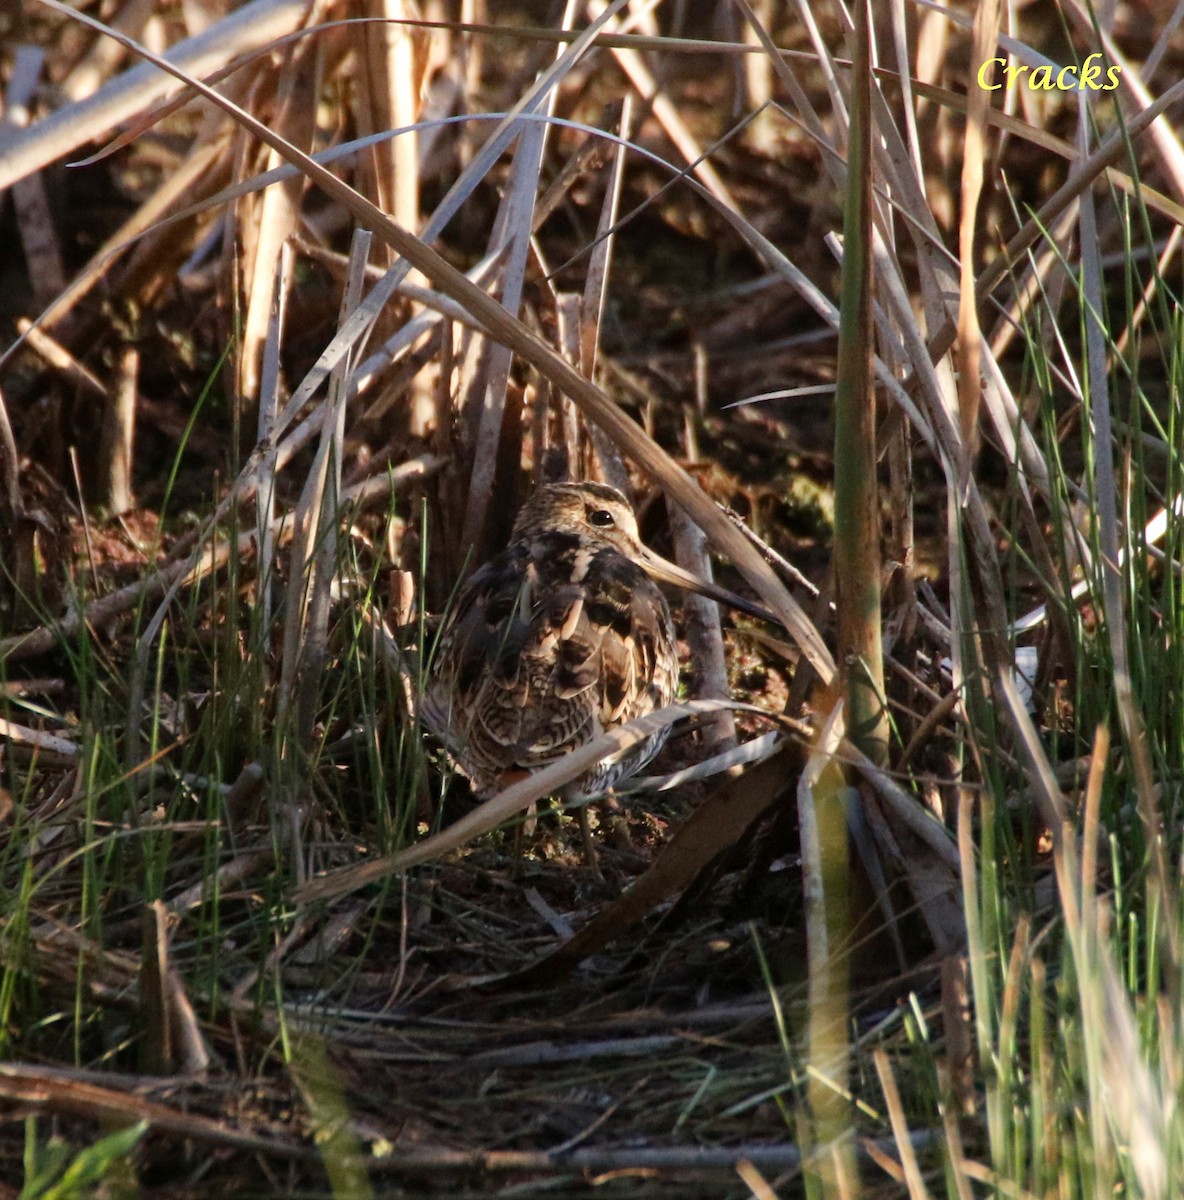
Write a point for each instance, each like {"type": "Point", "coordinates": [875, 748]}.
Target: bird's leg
{"type": "Point", "coordinates": [522, 830]}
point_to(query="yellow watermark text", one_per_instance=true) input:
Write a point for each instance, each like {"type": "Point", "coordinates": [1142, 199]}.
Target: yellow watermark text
{"type": "Point", "coordinates": [1091, 76]}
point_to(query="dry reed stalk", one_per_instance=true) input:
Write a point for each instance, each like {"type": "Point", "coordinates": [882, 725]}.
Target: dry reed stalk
{"type": "Point", "coordinates": [313, 558]}
{"type": "Point", "coordinates": [900, 1130]}
{"type": "Point", "coordinates": [10, 470]}
{"type": "Point", "coordinates": [969, 343]}
{"type": "Point", "coordinates": [118, 435]}
{"type": "Point", "coordinates": [50, 1090]}
{"type": "Point", "coordinates": [254, 24]}
{"type": "Point", "coordinates": [485, 374]}
{"type": "Point", "coordinates": [654, 98]}
{"type": "Point", "coordinates": [105, 57]}
{"type": "Point", "coordinates": [173, 1042]}
{"type": "Point", "coordinates": [704, 634]}
{"type": "Point", "coordinates": [600, 258]}
{"type": "Point", "coordinates": [34, 221]}
{"type": "Point", "coordinates": [266, 222]}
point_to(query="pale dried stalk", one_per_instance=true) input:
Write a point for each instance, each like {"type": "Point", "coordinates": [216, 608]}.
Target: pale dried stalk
{"type": "Point", "coordinates": [705, 638]}
{"type": "Point", "coordinates": [665, 111]}
{"type": "Point", "coordinates": [34, 219]}
{"type": "Point", "coordinates": [596, 290]}
{"type": "Point", "coordinates": [756, 1183]}
{"type": "Point", "coordinates": [269, 464]}
{"type": "Point", "coordinates": [389, 54]}
{"type": "Point", "coordinates": [21, 735]}
{"type": "Point", "coordinates": [568, 317]}
{"type": "Point", "coordinates": [969, 343]}
{"type": "Point", "coordinates": [275, 215]}
{"type": "Point", "coordinates": [245, 29]}
{"type": "Point", "coordinates": [119, 432]}
{"type": "Point", "coordinates": [483, 402]}
{"type": "Point", "coordinates": [172, 1041]}
{"type": "Point", "coordinates": [484, 394]}
{"type": "Point", "coordinates": [105, 56]}
{"type": "Point", "coordinates": [60, 359]}
{"type": "Point", "coordinates": [10, 470]}
{"type": "Point", "coordinates": [596, 284]}
{"type": "Point", "coordinates": [314, 547]}
{"type": "Point", "coordinates": [900, 1128]}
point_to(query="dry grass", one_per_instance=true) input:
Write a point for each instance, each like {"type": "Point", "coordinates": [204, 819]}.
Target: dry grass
{"type": "Point", "coordinates": [275, 379]}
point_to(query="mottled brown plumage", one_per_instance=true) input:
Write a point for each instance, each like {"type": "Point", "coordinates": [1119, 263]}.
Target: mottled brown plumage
{"type": "Point", "coordinates": [561, 636]}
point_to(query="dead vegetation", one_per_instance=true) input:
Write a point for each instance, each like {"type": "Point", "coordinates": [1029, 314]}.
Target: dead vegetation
{"type": "Point", "coordinates": [288, 342]}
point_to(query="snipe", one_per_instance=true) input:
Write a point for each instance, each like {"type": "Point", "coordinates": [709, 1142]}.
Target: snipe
{"type": "Point", "coordinates": [560, 637]}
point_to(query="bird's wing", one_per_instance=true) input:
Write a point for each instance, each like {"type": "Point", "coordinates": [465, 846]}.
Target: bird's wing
{"type": "Point", "coordinates": [543, 652]}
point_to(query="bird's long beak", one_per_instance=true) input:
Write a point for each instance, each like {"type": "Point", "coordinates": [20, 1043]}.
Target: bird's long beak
{"type": "Point", "coordinates": [664, 571]}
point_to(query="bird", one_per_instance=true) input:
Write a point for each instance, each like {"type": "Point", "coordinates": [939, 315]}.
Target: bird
{"type": "Point", "coordinates": [560, 637]}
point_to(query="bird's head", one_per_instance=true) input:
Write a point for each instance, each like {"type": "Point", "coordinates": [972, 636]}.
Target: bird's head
{"type": "Point", "coordinates": [603, 517]}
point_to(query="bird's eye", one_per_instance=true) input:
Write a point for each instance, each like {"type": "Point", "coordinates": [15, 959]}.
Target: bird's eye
{"type": "Point", "coordinates": [601, 517]}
